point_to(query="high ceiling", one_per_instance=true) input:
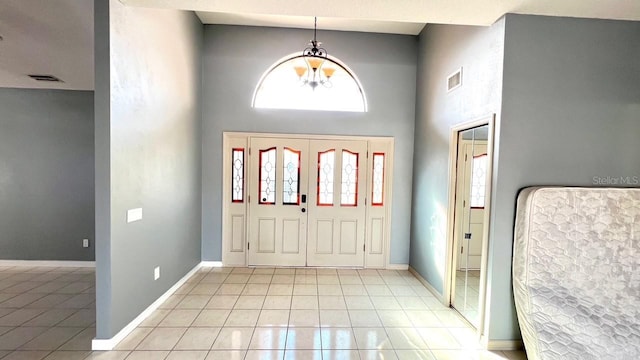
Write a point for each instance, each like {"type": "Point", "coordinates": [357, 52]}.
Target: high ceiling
{"type": "Point", "coordinates": [55, 37]}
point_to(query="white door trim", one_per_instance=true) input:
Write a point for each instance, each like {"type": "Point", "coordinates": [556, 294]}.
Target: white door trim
{"type": "Point", "coordinates": [375, 144]}
{"type": "Point", "coordinates": [450, 259]}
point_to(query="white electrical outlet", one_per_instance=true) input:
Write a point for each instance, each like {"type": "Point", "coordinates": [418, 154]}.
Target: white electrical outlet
{"type": "Point", "coordinates": [156, 273]}
{"type": "Point", "coordinates": [85, 243]}
{"type": "Point", "coordinates": [134, 215]}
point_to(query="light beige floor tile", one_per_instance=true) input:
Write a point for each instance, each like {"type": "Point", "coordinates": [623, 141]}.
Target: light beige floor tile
{"type": "Point", "coordinates": [5, 329]}
{"type": "Point", "coordinates": [161, 339]}
{"type": "Point", "coordinates": [301, 302]}
{"type": "Point", "coordinates": [338, 338]}
{"type": "Point", "coordinates": [172, 301]}
{"type": "Point", "coordinates": [340, 355]}
{"type": "Point", "coordinates": [26, 355]}
{"type": "Point", "coordinates": [450, 318]}
{"type": "Point", "coordinates": [237, 279]}
{"type": "Point", "coordinates": [394, 318]}
{"type": "Point", "coordinates": [372, 279]}
{"type": "Point", "coordinates": [198, 338]}
{"type": "Point", "coordinates": [242, 270]}
{"type": "Point", "coordinates": [304, 339]}
{"type": "Point", "coordinates": [282, 279]}
{"type": "Point", "coordinates": [307, 279]}
{"type": "Point", "coordinates": [256, 289]}
{"type": "Point", "coordinates": [75, 288]}
{"type": "Point", "coordinates": [186, 355]}
{"type": "Point", "coordinates": [402, 290]}
{"type": "Point", "coordinates": [378, 290]}
{"type": "Point", "coordinates": [420, 290]}
{"type": "Point", "coordinates": [205, 289]}
{"type": "Point", "coordinates": [264, 271]}
{"type": "Point", "coordinates": [406, 339]}
{"type": "Point", "coordinates": [264, 355]}
{"type": "Point", "coordinates": [305, 289]}
{"type": "Point", "coordinates": [331, 302]}
{"type": "Point", "coordinates": [134, 338]}
{"type": "Point", "coordinates": [222, 302]}
{"type": "Point", "coordinates": [68, 355]}
{"type": "Point", "coordinates": [328, 279]}
{"type": "Point", "coordinates": [273, 318]}
{"type": "Point", "coordinates": [268, 338]}
{"type": "Point", "coordinates": [358, 302]}
{"type": "Point", "coordinates": [20, 317]}
{"type": "Point", "coordinates": [241, 318]}
{"type": "Point", "coordinates": [214, 278]}
{"type": "Point", "coordinates": [303, 354]}
{"type": "Point", "coordinates": [155, 318]}
{"type": "Point", "coordinates": [385, 303]}
{"type": "Point", "coordinates": [185, 288]}
{"type": "Point", "coordinates": [80, 301]}
{"type": "Point", "coordinates": [233, 339]}
{"type": "Point", "coordinates": [193, 302]}
{"type": "Point", "coordinates": [439, 338]}
{"type": "Point", "coordinates": [334, 318]}
{"type": "Point", "coordinates": [412, 303]}
{"type": "Point", "coordinates": [304, 318]}
{"type": "Point", "coordinates": [260, 279]}
{"type": "Point", "coordinates": [378, 355]}
{"type": "Point", "coordinates": [277, 302]}
{"type": "Point", "coordinates": [414, 355]}
{"type": "Point", "coordinates": [434, 304]}
{"type": "Point", "coordinates": [82, 341]}
{"type": "Point", "coordinates": [329, 289]}
{"type": "Point", "coordinates": [212, 318]}
{"type": "Point", "coordinates": [50, 317]}
{"type": "Point", "coordinates": [364, 318]}
{"type": "Point", "coordinates": [423, 318]}
{"type": "Point", "coordinates": [466, 337]}
{"type": "Point", "coordinates": [249, 302]}
{"type": "Point", "coordinates": [108, 355]}
{"type": "Point", "coordinates": [372, 339]}
{"type": "Point", "coordinates": [230, 289]}
{"type": "Point", "coordinates": [354, 290]}
{"type": "Point", "coordinates": [179, 318]}
{"type": "Point", "coordinates": [226, 355]}
{"type": "Point", "coordinates": [13, 339]}
{"type": "Point", "coordinates": [49, 301]}
{"type": "Point", "coordinates": [147, 355]}
{"type": "Point", "coordinates": [285, 271]}
{"type": "Point", "coordinates": [81, 318]}
{"type": "Point", "coordinates": [350, 279]}
{"type": "Point", "coordinates": [280, 289]}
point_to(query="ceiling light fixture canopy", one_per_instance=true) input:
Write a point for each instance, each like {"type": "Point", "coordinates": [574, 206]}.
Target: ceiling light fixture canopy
{"type": "Point", "coordinates": [316, 70]}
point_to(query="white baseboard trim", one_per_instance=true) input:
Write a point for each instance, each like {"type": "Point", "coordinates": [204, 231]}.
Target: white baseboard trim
{"type": "Point", "coordinates": [211, 264]}
{"type": "Point", "coordinates": [495, 345]}
{"type": "Point", "coordinates": [109, 344]}
{"type": "Point", "coordinates": [426, 284]}
{"type": "Point", "coordinates": [48, 263]}
{"type": "Point", "coordinates": [397, 266]}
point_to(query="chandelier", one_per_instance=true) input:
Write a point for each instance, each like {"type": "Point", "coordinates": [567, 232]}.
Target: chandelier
{"type": "Point", "coordinates": [315, 70]}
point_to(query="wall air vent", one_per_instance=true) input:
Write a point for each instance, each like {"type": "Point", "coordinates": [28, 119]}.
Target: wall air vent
{"type": "Point", "coordinates": [48, 78]}
{"type": "Point", "coordinates": [454, 80]}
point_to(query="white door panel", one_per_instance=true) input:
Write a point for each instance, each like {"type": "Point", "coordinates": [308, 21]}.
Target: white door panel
{"type": "Point", "coordinates": [337, 203]}
{"type": "Point", "coordinates": [277, 225]}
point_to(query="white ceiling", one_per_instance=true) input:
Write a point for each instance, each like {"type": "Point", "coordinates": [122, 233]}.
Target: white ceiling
{"type": "Point", "coordinates": [55, 37]}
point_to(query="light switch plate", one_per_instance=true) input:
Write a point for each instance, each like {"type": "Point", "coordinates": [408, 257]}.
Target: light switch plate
{"type": "Point", "coordinates": [156, 273]}
{"type": "Point", "coordinates": [85, 243]}
{"type": "Point", "coordinates": [134, 215]}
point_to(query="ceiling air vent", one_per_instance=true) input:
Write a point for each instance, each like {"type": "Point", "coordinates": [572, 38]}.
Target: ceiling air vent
{"type": "Point", "coordinates": [454, 80]}
{"type": "Point", "coordinates": [49, 78]}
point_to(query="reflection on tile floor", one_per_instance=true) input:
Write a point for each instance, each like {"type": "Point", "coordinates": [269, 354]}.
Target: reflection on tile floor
{"type": "Point", "coordinates": [241, 313]}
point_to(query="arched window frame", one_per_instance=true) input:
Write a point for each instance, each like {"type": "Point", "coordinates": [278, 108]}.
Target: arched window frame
{"type": "Point", "coordinates": [297, 55]}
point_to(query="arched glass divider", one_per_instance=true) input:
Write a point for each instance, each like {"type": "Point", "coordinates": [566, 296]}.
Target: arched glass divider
{"type": "Point", "coordinates": [289, 84]}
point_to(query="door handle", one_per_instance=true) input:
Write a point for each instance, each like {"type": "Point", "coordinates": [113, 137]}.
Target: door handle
{"type": "Point", "coordinates": [303, 210]}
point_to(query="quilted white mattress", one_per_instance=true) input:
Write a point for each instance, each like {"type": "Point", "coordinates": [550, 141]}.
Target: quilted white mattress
{"type": "Point", "coordinates": [576, 272]}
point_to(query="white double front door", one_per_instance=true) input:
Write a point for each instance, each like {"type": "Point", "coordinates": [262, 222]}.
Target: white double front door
{"type": "Point", "coordinates": [307, 202]}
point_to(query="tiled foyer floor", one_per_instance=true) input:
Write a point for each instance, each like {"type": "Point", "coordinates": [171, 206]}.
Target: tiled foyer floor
{"type": "Point", "coordinates": [241, 313]}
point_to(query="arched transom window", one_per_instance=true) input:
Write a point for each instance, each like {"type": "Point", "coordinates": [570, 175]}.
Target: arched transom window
{"type": "Point", "coordinates": [310, 83]}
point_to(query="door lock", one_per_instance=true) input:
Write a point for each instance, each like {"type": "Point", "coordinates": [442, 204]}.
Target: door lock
{"type": "Point", "coordinates": [303, 199]}
{"type": "Point", "coordinates": [467, 235]}
{"type": "Point", "coordinates": [304, 210]}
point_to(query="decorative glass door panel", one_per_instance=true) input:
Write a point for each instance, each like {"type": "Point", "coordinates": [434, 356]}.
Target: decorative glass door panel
{"type": "Point", "coordinates": [337, 218]}
{"type": "Point", "coordinates": [277, 213]}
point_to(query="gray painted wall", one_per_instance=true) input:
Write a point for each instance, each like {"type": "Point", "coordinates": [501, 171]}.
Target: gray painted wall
{"type": "Point", "coordinates": [235, 58]}
{"type": "Point", "coordinates": [571, 110]}
{"type": "Point", "coordinates": [46, 174]}
{"type": "Point", "coordinates": [443, 49]}
{"type": "Point", "coordinates": [148, 155]}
